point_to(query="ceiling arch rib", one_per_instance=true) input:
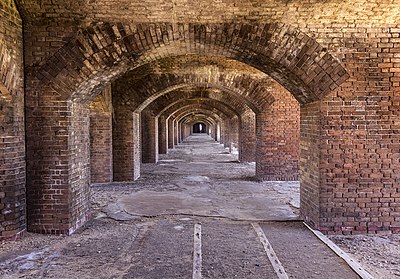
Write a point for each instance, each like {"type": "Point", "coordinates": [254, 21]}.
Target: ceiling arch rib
{"type": "Point", "coordinates": [84, 64]}
{"type": "Point", "coordinates": [215, 115]}
{"type": "Point", "coordinates": [200, 103]}
{"type": "Point", "coordinates": [163, 103]}
{"type": "Point", "coordinates": [139, 94]}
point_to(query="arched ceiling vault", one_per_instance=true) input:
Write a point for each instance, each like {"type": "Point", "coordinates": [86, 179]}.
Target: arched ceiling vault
{"type": "Point", "coordinates": [213, 113]}
{"type": "Point", "coordinates": [160, 107]}
{"type": "Point", "coordinates": [191, 121]}
{"type": "Point", "coordinates": [199, 118]}
{"type": "Point", "coordinates": [101, 52]}
{"type": "Point", "coordinates": [216, 108]}
{"type": "Point", "coordinates": [139, 87]}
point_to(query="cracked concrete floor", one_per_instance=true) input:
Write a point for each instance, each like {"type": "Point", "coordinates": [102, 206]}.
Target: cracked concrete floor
{"type": "Point", "coordinates": [201, 178]}
{"type": "Point", "coordinates": [145, 229]}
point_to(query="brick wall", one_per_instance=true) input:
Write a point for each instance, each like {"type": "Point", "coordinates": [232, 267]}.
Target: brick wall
{"type": "Point", "coordinates": [149, 137]}
{"type": "Point", "coordinates": [350, 181]}
{"type": "Point", "coordinates": [247, 137]}
{"type": "Point", "coordinates": [278, 137]}
{"type": "Point", "coordinates": [170, 133]}
{"type": "Point", "coordinates": [101, 168]}
{"type": "Point", "coordinates": [126, 144]}
{"type": "Point", "coordinates": [12, 141]}
{"type": "Point", "coordinates": [359, 135]}
{"type": "Point", "coordinates": [162, 135]}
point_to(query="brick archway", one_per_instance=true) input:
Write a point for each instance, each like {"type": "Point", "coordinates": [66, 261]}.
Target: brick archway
{"type": "Point", "coordinates": [80, 69]}
{"type": "Point", "coordinates": [291, 57]}
{"type": "Point", "coordinates": [151, 128]}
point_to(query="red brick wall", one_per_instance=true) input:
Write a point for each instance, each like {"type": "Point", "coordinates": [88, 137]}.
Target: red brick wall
{"type": "Point", "coordinates": [126, 144]}
{"type": "Point", "coordinates": [234, 135]}
{"type": "Point", "coordinates": [12, 131]}
{"type": "Point", "coordinates": [278, 137]}
{"type": "Point", "coordinates": [149, 137]}
{"type": "Point", "coordinates": [354, 179]}
{"type": "Point", "coordinates": [101, 168]}
{"type": "Point", "coordinates": [310, 149]}
{"type": "Point", "coordinates": [170, 133]}
{"type": "Point", "coordinates": [162, 135]}
{"type": "Point", "coordinates": [359, 165]}
{"type": "Point", "coordinates": [247, 137]}
{"type": "Point", "coordinates": [78, 173]}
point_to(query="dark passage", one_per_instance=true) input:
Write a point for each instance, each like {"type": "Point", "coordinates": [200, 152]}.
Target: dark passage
{"type": "Point", "coordinates": [199, 128]}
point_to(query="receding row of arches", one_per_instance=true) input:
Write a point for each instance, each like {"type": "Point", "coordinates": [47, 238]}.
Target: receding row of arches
{"type": "Point", "coordinates": [102, 107]}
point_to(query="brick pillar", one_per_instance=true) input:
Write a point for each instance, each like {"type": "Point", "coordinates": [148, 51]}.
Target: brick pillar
{"type": "Point", "coordinates": [58, 171]}
{"type": "Point", "coordinates": [278, 137]}
{"type": "Point", "coordinates": [222, 132]}
{"type": "Point", "coordinates": [176, 132]}
{"type": "Point", "coordinates": [234, 135]}
{"type": "Point", "coordinates": [126, 145]}
{"type": "Point", "coordinates": [162, 135]}
{"type": "Point", "coordinates": [12, 133]}
{"type": "Point", "coordinates": [187, 131]}
{"type": "Point", "coordinates": [226, 134]}
{"type": "Point", "coordinates": [12, 125]}
{"type": "Point", "coordinates": [179, 125]}
{"type": "Point", "coordinates": [170, 133]}
{"type": "Point", "coordinates": [149, 137]}
{"type": "Point", "coordinates": [101, 162]}
{"type": "Point", "coordinates": [277, 155]}
{"type": "Point", "coordinates": [218, 132]}
{"type": "Point", "coordinates": [210, 131]}
{"type": "Point", "coordinates": [247, 136]}
{"type": "Point", "coordinates": [310, 144]}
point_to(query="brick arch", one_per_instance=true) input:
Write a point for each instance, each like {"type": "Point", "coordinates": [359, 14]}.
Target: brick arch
{"type": "Point", "coordinates": [181, 113]}
{"type": "Point", "coordinates": [103, 51]}
{"type": "Point", "coordinates": [223, 107]}
{"type": "Point", "coordinates": [9, 74]}
{"type": "Point", "coordinates": [140, 94]}
{"type": "Point", "coordinates": [199, 118]}
{"type": "Point", "coordinates": [163, 103]}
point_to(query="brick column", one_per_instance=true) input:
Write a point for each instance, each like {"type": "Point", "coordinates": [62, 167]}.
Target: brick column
{"type": "Point", "coordinates": [226, 134]}
{"type": "Point", "coordinates": [149, 137]}
{"type": "Point", "coordinates": [234, 135]}
{"type": "Point", "coordinates": [170, 133]}
{"type": "Point", "coordinates": [176, 132]}
{"type": "Point", "coordinates": [58, 172]}
{"type": "Point", "coordinates": [179, 134]}
{"type": "Point", "coordinates": [101, 162]}
{"type": "Point", "coordinates": [162, 135]}
{"type": "Point", "coordinates": [278, 137]}
{"type": "Point", "coordinates": [310, 144]}
{"type": "Point", "coordinates": [218, 132]}
{"type": "Point", "coordinates": [12, 125]}
{"type": "Point", "coordinates": [187, 131]}
{"type": "Point", "coordinates": [277, 154]}
{"type": "Point", "coordinates": [126, 145]}
{"type": "Point", "coordinates": [247, 136]}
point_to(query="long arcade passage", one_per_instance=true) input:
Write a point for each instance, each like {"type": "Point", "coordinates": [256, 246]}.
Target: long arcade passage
{"type": "Point", "coordinates": [197, 213]}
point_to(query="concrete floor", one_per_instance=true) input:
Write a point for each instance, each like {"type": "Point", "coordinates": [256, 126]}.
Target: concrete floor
{"type": "Point", "coordinates": [198, 213]}
{"type": "Point", "coordinates": [200, 177]}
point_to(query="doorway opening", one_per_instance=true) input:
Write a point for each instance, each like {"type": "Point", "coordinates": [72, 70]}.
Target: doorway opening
{"type": "Point", "coordinates": [199, 128]}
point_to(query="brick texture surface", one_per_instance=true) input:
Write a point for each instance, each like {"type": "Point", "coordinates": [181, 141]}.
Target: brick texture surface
{"type": "Point", "coordinates": [101, 162]}
{"type": "Point", "coordinates": [208, 61]}
{"type": "Point", "coordinates": [12, 141]}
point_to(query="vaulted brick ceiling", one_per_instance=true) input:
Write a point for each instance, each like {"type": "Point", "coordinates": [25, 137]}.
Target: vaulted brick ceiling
{"type": "Point", "coordinates": [154, 56]}
{"type": "Point", "coordinates": [172, 79]}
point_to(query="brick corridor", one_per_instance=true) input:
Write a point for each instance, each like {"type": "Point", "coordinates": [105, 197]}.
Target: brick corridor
{"type": "Point", "coordinates": [122, 244]}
